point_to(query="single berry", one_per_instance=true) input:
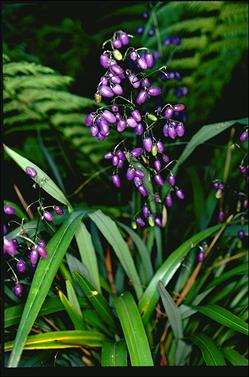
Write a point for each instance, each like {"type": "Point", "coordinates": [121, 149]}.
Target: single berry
{"type": "Point", "coordinates": [31, 172]}
{"type": "Point", "coordinates": [171, 180]}
{"type": "Point", "coordinates": [160, 147]}
{"type": "Point", "coordinates": [21, 266]}
{"type": "Point", "coordinates": [131, 122]}
{"type": "Point", "coordinates": [221, 216]}
{"type": "Point", "coordinates": [109, 116]}
{"type": "Point", "coordinates": [18, 290]}
{"type": "Point", "coordinates": [180, 194]}
{"type": "Point", "coordinates": [124, 38]}
{"type": "Point", "coordinates": [59, 210]}
{"type": "Point", "coordinates": [139, 173]}
{"type": "Point", "coordinates": [89, 119]}
{"type": "Point", "coordinates": [117, 89]}
{"type": "Point", "coordinates": [200, 256]}
{"type": "Point", "coordinates": [106, 91]}
{"type": "Point", "coordinates": [179, 107]}
{"type": "Point", "coordinates": [8, 210]}
{"type": "Point", "coordinates": [9, 247]}
{"type": "Point", "coordinates": [241, 234]}
{"type": "Point", "coordinates": [136, 115]}
{"type": "Point", "coordinates": [151, 32]}
{"type": "Point", "coordinates": [34, 255]}
{"type": "Point", "coordinates": [104, 60]}
{"type": "Point", "coordinates": [138, 181]}
{"type": "Point", "coordinates": [139, 129]}
{"type": "Point", "coordinates": [140, 222]}
{"type": "Point", "coordinates": [141, 62]}
{"type": "Point", "coordinates": [142, 97]}
{"type": "Point", "coordinates": [157, 165]}
{"type": "Point", "coordinates": [147, 143]}
{"type": "Point", "coordinates": [121, 125]}
{"type": "Point", "coordinates": [133, 55]}
{"type": "Point", "coordinates": [42, 252]}
{"type": "Point", "coordinates": [140, 30]}
{"type": "Point", "coordinates": [146, 211]}
{"type": "Point", "coordinates": [169, 201]}
{"type": "Point", "coordinates": [115, 160]}
{"type": "Point", "coordinates": [108, 155]}
{"type": "Point", "coordinates": [117, 43]}
{"type": "Point", "coordinates": [116, 180]}
{"type": "Point", "coordinates": [158, 221]}
{"type": "Point", "coordinates": [244, 136]}
{"type": "Point", "coordinates": [149, 58]}
{"type": "Point", "coordinates": [142, 190]}
{"type": "Point", "coordinates": [47, 216]}
{"type": "Point", "coordinates": [136, 152]}
{"type": "Point", "coordinates": [158, 180]}
{"type": "Point", "coordinates": [153, 91]}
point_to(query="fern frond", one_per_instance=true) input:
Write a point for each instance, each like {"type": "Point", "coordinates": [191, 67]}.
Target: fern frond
{"type": "Point", "coordinates": [37, 81]}
{"type": "Point", "coordinates": [25, 68]}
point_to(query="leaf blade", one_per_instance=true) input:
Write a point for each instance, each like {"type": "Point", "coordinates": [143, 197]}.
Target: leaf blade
{"type": "Point", "coordinates": [210, 352]}
{"type": "Point", "coordinates": [113, 354]}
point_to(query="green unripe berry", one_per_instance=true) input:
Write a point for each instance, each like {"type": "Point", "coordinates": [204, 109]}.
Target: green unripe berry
{"type": "Point", "coordinates": [117, 55]}
{"type": "Point", "coordinates": [154, 150]}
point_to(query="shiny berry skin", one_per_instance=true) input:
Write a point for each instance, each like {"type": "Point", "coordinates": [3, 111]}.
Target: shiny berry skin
{"type": "Point", "coordinates": [160, 147]}
{"type": "Point", "coordinates": [130, 174]}
{"type": "Point", "coordinates": [221, 216]}
{"type": "Point", "coordinates": [142, 63]}
{"type": "Point", "coordinates": [200, 256]}
{"type": "Point", "coordinates": [157, 198]}
{"type": "Point", "coordinates": [136, 152]}
{"type": "Point", "coordinates": [59, 211]}
{"type": "Point", "coordinates": [116, 180]}
{"type": "Point", "coordinates": [117, 89]}
{"type": "Point", "coordinates": [18, 290]}
{"type": "Point", "coordinates": [106, 91]}
{"type": "Point", "coordinates": [108, 155]}
{"type": "Point", "coordinates": [244, 136]}
{"type": "Point", "coordinates": [179, 194]}
{"type": "Point", "coordinates": [180, 130]}
{"type": "Point", "coordinates": [116, 69]}
{"type": "Point", "coordinates": [34, 255]}
{"type": "Point", "coordinates": [41, 243]}
{"type": "Point", "coordinates": [115, 80]}
{"type": "Point", "coordinates": [140, 222]}
{"type": "Point", "coordinates": [131, 122]}
{"type": "Point", "coordinates": [149, 58]}
{"type": "Point", "coordinates": [134, 80]}
{"type": "Point", "coordinates": [120, 155]}
{"type": "Point", "coordinates": [8, 210]}
{"type": "Point", "coordinates": [172, 132]}
{"type": "Point", "coordinates": [216, 184]}
{"type": "Point", "coordinates": [109, 116]}
{"type": "Point", "coordinates": [104, 60]}
{"type": "Point", "coordinates": [151, 32]}
{"type": "Point", "coordinates": [121, 125]}
{"type": "Point", "coordinates": [48, 216]}
{"type": "Point", "coordinates": [166, 130]}
{"type": "Point", "coordinates": [158, 180]}
{"type": "Point", "coordinates": [115, 160]}
{"type": "Point", "coordinates": [145, 83]}
{"type": "Point", "coordinates": [153, 91]}
{"type": "Point", "coordinates": [117, 43]}
{"type": "Point", "coordinates": [157, 165]}
{"type": "Point", "coordinates": [133, 55]}
{"type": "Point", "coordinates": [165, 158]}
{"type": "Point", "coordinates": [21, 266]}
{"type": "Point", "coordinates": [94, 130]}
{"type": "Point", "coordinates": [169, 201]}
{"type": "Point", "coordinates": [179, 107]}
{"type": "Point", "coordinates": [42, 252]}
{"type": "Point", "coordinates": [245, 204]}
{"type": "Point", "coordinates": [140, 30]}
{"type": "Point", "coordinates": [31, 172]}
{"type": "Point", "coordinates": [139, 173]}
{"type": "Point", "coordinates": [124, 38]}
{"type": "Point", "coordinates": [136, 115]}
{"type": "Point", "coordinates": [241, 234]}
{"type": "Point", "coordinates": [89, 119]}
{"type": "Point", "coordinates": [171, 180]}
{"type": "Point", "coordinates": [142, 190]}
{"type": "Point", "coordinates": [139, 129]}
{"type": "Point", "coordinates": [138, 181]}
{"type": "Point", "coordinates": [114, 109]}
{"type": "Point", "coordinates": [147, 143]}
{"type": "Point", "coordinates": [146, 211]}
{"type": "Point", "coordinates": [142, 97]}
{"type": "Point", "coordinates": [151, 221]}
{"type": "Point", "coordinates": [4, 229]}
{"type": "Point", "coordinates": [9, 247]}
{"type": "Point", "coordinates": [158, 221]}
{"type": "Point", "coordinates": [168, 112]}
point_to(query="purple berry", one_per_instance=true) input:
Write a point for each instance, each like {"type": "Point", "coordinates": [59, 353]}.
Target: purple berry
{"type": "Point", "coordinates": [8, 210]}
{"type": "Point", "coordinates": [200, 256]}
{"type": "Point", "coordinates": [216, 184]}
{"type": "Point", "coordinates": [172, 132]}
{"type": "Point", "coordinates": [168, 112]}
{"type": "Point", "coordinates": [117, 43]}
{"type": "Point", "coordinates": [166, 130]}
{"type": "Point", "coordinates": [94, 130]}
{"type": "Point", "coordinates": [142, 97]}
{"type": "Point", "coordinates": [115, 109]}
{"type": "Point", "coordinates": [139, 173]}
{"type": "Point", "coordinates": [243, 169]}
{"type": "Point", "coordinates": [149, 58]}
{"type": "Point", "coordinates": [151, 32]}
{"type": "Point", "coordinates": [145, 83]}
{"type": "Point", "coordinates": [104, 60]}
{"type": "Point", "coordinates": [133, 55]}
{"type": "Point", "coordinates": [158, 180]}
{"type": "Point", "coordinates": [18, 290]}
{"type": "Point", "coordinates": [106, 91]}
{"type": "Point", "coordinates": [221, 216]}
{"type": "Point", "coordinates": [4, 229]}
{"type": "Point", "coordinates": [9, 247]}
{"type": "Point", "coordinates": [89, 119]}
{"type": "Point", "coordinates": [139, 129]}
{"type": "Point", "coordinates": [158, 221]}
{"type": "Point", "coordinates": [42, 252]}
{"type": "Point", "coordinates": [147, 143]}
{"type": "Point", "coordinates": [120, 155]}
{"type": "Point", "coordinates": [115, 160]}
{"type": "Point", "coordinates": [116, 69]}
{"type": "Point", "coordinates": [169, 201]}
{"type": "Point", "coordinates": [153, 91]}
{"type": "Point", "coordinates": [134, 80]}
{"type": "Point", "coordinates": [180, 130]}
{"type": "Point", "coordinates": [120, 164]}
{"type": "Point", "coordinates": [47, 216]}
{"type": "Point", "coordinates": [116, 180]}
{"type": "Point", "coordinates": [109, 116]}
{"type": "Point", "coordinates": [146, 211]}
{"type": "Point", "coordinates": [140, 222]}
{"type": "Point", "coordinates": [131, 122]}
{"type": "Point", "coordinates": [124, 38]}
{"type": "Point", "coordinates": [244, 136]}
{"type": "Point", "coordinates": [21, 266]}
{"type": "Point", "coordinates": [136, 115]}
{"type": "Point", "coordinates": [34, 255]}
{"type": "Point", "coordinates": [108, 156]}
{"type": "Point", "coordinates": [121, 125]}
{"type": "Point", "coordinates": [130, 174]}
{"type": "Point", "coordinates": [138, 181]}
{"type": "Point", "coordinates": [241, 234]}
{"type": "Point", "coordinates": [142, 63]}
{"type": "Point", "coordinates": [179, 194]}
{"type": "Point", "coordinates": [140, 30]}
{"type": "Point", "coordinates": [117, 89]}
{"type": "Point", "coordinates": [41, 243]}
{"type": "Point", "coordinates": [136, 152]}
{"type": "Point", "coordinates": [179, 107]}
{"type": "Point", "coordinates": [171, 180]}
{"type": "Point", "coordinates": [59, 210]}
{"type": "Point", "coordinates": [115, 80]}
{"type": "Point", "coordinates": [160, 147]}
{"type": "Point", "coordinates": [157, 198]}
{"type": "Point", "coordinates": [31, 172]}
{"type": "Point", "coordinates": [245, 204]}
{"type": "Point", "coordinates": [157, 165]}
{"type": "Point", "coordinates": [145, 15]}
{"type": "Point", "coordinates": [142, 190]}
{"type": "Point", "coordinates": [165, 158]}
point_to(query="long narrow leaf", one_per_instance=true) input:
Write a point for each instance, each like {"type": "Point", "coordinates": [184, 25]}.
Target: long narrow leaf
{"type": "Point", "coordinates": [234, 357]}
{"type": "Point", "coordinates": [72, 297]}
{"type": "Point", "coordinates": [75, 317]}
{"type": "Point", "coordinates": [88, 255]}
{"type": "Point", "coordinates": [43, 278]}
{"type": "Point", "coordinates": [167, 271]}
{"type": "Point", "coordinates": [211, 354]}
{"type": "Point", "coordinates": [61, 339]}
{"type": "Point", "coordinates": [110, 231]}
{"type": "Point", "coordinates": [172, 311]}
{"type": "Point", "coordinates": [97, 300]}
{"type": "Point", "coordinates": [133, 329]}
{"type": "Point", "coordinates": [224, 317]}
{"type": "Point", "coordinates": [42, 178]}
{"type": "Point", "coordinates": [113, 354]}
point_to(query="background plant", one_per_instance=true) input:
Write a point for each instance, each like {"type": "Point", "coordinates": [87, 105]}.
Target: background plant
{"type": "Point", "coordinates": [202, 316]}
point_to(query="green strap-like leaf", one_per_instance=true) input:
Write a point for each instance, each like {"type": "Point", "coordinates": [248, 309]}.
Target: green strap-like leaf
{"type": "Point", "coordinates": [113, 354]}
{"type": "Point", "coordinates": [211, 354]}
{"type": "Point", "coordinates": [42, 178]}
{"type": "Point", "coordinates": [72, 297]}
{"type": "Point", "coordinates": [75, 317]}
{"type": "Point", "coordinates": [97, 300]}
{"type": "Point", "coordinates": [167, 270]}
{"type": "Point", "coordinates": [172, 311]}
{"type": "Point", "coordinates": [224, 317]}
{"type": "Point", "coordinates": [234, 357]}
{"type": "Point", "coordinates": [61, 339]}
{"type": "Point", "coordinates": [133, 329]}
{"type": "Point", "coordinates": [43, 278]}
{"type": "Point", "coordinates": [110, 231]}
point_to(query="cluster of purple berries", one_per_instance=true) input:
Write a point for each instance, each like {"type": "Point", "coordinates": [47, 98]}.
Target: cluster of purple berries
{"type": "Point", "coordinates": [145, 162]}
{"type": "Point", "coordinates": [14, 248]}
